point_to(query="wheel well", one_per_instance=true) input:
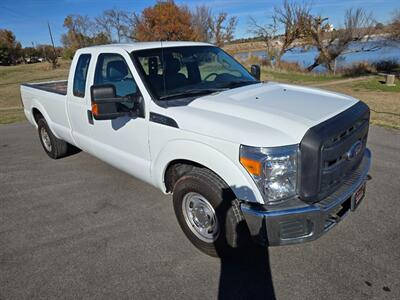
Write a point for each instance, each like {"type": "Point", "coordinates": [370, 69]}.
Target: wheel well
{"type": "Point", "coordinates": [176, 169]}
{"type": "Point", "coordinates": [36, 115]}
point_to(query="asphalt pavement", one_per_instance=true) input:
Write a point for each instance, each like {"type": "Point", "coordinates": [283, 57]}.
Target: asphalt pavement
{"type": "Point", "coordinates": [77, 228]}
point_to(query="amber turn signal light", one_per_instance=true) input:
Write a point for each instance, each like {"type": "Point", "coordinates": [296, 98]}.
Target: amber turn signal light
{"type": "Point", "coordinates": [251, 165]}
{"type": "Point", "coordinates": [95, 109]}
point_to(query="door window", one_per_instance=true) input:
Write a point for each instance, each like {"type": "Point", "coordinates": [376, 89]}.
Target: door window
{"type": "Point", "coordinates": [112, 69]}
{"type": "Point", "coordinates": [80, 75]}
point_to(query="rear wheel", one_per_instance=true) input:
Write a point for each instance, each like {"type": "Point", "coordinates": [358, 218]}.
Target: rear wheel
{"type": "Point", "coordinates": [54, 147]}
{"type": "Point", "coordinates": [209, 213]}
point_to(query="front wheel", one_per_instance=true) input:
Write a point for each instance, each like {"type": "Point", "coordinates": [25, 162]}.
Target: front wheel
{"type": "Point", "coordinates": [209, 214]}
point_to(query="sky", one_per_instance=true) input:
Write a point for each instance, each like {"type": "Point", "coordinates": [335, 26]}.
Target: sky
{"type": "Point", "coordinates": [28, 19]}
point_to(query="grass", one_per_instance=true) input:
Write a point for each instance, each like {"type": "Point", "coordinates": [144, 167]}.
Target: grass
{"type": "Point", "coordinates": [375, 84]}
{"type": "Point", "coordinates": [383, 100]}
{"type": "Point", "coordinates": [297, 77]}
{"type": "Point", "coordinates": [10, 79]}
{"type": "Point", "coordinates": [245, 47]}
{"type": "Point", "coordinates": [12, 115]}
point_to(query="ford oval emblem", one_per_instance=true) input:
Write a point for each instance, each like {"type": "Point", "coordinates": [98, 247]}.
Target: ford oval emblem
{"type": "Point", "coordinates": [354, 150]}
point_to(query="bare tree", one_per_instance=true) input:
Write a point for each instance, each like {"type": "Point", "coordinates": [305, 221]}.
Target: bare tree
{"type": "Point", "coordinates": [81, 32]}
{"type": "Point", "coordinates": [269, 35]}
{"type": "Point", "coordinates": [395, 25]}
{"type": "Point", "coordinates": [222, 28]}
{"type": "Point", "coordinates": [80, 24]}
{"type": "Point", "coordinates": [80, 29]}
{"type": "Point", "coordinates": [131, 22]}
{"type": "Point", "coordinates": [114, 22]}
{"type": "Point", "coordinates": [358, 27]}
{"type": "Point", "coordinates": [103, 24]}
{"type": "Point", "coordinates": [201, 19]}
{"type": "Point", "coordinates": [287, 25]}
{"type": "Point", "coordinates": [293, 17]}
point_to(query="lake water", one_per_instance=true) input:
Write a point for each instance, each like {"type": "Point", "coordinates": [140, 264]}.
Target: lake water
{"type": "Point", "coordinates": [390, 51]}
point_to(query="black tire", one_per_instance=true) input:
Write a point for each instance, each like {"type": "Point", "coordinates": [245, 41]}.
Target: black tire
{"type": "Point", "coordinates": [233, 232]}
{"type": "Point", "coordinates": [58, 148]}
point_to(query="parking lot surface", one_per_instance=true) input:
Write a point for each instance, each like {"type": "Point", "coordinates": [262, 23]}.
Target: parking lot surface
{"type": "Point", "coordinates": [79, 228]}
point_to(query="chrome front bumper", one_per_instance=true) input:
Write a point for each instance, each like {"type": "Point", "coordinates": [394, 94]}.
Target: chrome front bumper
{"type": "Point", "coordinates": [295, 221]}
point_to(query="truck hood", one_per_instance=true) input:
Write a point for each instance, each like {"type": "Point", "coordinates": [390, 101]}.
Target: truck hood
{"type": "Point", "coordinates": [264, 115]}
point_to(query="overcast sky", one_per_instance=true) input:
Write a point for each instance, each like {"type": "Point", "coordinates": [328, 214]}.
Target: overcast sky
{"type": "Point", "coordinates": [28, 19]}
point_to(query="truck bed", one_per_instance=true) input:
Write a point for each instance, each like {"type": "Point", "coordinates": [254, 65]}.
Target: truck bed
{"type": "Point", "coordinates": [59, 87]}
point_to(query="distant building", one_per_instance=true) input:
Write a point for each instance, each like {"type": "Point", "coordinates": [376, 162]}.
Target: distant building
{"type": "Point", "coordinates": [330, 28]}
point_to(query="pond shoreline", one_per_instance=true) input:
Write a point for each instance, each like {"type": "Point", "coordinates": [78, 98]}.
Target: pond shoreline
{"type": "Point", "coordinates": [389, 50]}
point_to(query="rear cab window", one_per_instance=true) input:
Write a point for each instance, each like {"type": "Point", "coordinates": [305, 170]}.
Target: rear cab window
{"type": "Point", "coordinates": [80, 75]}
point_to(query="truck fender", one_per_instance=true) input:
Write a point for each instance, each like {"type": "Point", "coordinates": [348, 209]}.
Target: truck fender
{"type": "Point", "coordinates": [35, 104]}
{"type": "Point", "coordinates": [239, 181]}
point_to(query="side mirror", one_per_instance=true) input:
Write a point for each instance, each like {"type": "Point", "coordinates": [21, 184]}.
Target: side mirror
{"type": "Point", "coordinates": [105, 102]}
{"type": "Point", "coordinates": [255, 71]}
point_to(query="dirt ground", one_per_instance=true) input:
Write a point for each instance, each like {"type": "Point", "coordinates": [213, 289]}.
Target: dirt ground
{"type": "Point", "coordinates": [385, 106]}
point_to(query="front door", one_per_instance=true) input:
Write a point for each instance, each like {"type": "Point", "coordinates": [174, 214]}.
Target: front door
{"type": "Point", "coordinates": [122, 142]}
{"type": "Point", "coordinates": [78, 95]}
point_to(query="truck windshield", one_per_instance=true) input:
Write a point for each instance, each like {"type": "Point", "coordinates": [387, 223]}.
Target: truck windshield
{"type": "Point", "coordinates": [179, 72]}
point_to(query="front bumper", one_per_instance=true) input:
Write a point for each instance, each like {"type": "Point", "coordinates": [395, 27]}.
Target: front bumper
{"type": "Point", "coordinates": [295, 221]}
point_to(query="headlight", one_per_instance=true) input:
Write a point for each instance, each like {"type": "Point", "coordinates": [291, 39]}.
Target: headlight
{"type": "Point", "coordinates": [274, 170]}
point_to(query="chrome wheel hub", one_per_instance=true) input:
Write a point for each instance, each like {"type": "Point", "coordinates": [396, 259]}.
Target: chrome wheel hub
{"type": "Point", "coordinates": [45, 139]}
{"type": "Point", "coordinates": [200, 217]}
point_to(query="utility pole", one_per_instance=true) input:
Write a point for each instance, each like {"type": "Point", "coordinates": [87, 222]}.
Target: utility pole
{"type": "Point", "coordinates": [54, 60]}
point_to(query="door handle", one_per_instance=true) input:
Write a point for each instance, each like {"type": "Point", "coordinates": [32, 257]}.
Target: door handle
{"type": "Point", "coordinates": [90, 116]}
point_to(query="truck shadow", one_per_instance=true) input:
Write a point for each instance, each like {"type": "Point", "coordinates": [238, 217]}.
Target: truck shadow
{"type": "Point", "coordinates": [245, 272]}
{"type": "Point", "coordinates": [246, 275]}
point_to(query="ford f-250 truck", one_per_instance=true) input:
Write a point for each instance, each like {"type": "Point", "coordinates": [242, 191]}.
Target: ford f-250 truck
{"type": "Point", "coordinates": [242, 158]}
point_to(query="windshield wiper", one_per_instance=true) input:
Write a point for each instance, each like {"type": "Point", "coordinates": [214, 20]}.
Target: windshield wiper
{"type": "Point", "coordinates": [238, 83]}
{"type": "Point", "coordinates": [192, 92]}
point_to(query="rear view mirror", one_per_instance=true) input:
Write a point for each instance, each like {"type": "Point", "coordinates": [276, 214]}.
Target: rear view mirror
{"type": "Point", "coordinates": [255, 71]}
{"type": "Point", "coordinates": [105, 102]}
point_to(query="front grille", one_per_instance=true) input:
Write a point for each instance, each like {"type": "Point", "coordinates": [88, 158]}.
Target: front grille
{"type": "Point", "coordinates": [324, 163]}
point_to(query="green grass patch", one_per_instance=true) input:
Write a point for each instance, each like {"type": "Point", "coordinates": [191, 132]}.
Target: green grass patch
{"type": "Point", "coordinates": [376, 84]}
{"type": "Point", "coordinates": [296, 77]}
{"type": "Point", "coordinates": [12, 76]}
{"type": "Point", "coordinates": [8, 116]}
{"type": "Point", "coordinates": [28, 72]}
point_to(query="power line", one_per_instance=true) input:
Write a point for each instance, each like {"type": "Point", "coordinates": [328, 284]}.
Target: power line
{"type": "Point", "coordinates": [19, 14]}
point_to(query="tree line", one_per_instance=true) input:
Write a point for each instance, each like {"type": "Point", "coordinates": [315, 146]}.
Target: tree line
{"type": "Point", "coordinates": [165, 20]}
{"type": "Point", "coordinates": [11, 51]}
{"type": "Point", "coordinates": [291, 25]}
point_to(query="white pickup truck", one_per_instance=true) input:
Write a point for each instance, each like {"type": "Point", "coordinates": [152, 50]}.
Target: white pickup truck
{"type": "Point", "coordinates": [242, 158]}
